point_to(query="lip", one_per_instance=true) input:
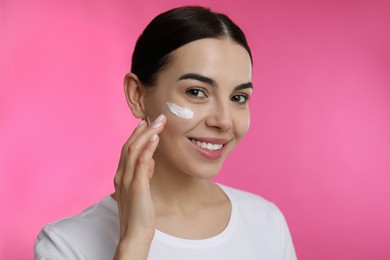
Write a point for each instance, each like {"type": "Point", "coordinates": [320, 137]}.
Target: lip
{"type": "Point", "coordinates": [210, 155]}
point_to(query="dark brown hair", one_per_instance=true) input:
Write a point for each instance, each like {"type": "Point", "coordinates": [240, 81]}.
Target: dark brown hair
{"type": "Point", "coordinates": [175, 28]}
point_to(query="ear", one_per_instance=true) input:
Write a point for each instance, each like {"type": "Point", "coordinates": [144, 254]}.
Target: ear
{"type": "Point", "coordinates": [134, 95]}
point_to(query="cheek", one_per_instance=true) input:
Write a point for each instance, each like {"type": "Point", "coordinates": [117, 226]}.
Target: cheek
{"type": "Point", "coordinates": [171, 138]}
{"type": "Point", "coordinates": [177, 125]}
{"type": "Point", "coordinates": [249, 122]}
{"type": "Point", "coordinates": [153, 110]}
{"type": "Point", "coordinates": [242, 124]}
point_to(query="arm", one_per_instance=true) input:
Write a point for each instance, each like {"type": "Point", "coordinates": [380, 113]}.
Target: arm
{"type": "Point", "coordinates": [132, 192]}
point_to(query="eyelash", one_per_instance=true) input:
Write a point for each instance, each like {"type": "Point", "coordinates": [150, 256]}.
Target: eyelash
{"type": "Point", "coordinates": [191, 93]}
{"type": "Point", "coordinates": [246, 97]}
{"type": "Point", "coordinates": [194, 93]}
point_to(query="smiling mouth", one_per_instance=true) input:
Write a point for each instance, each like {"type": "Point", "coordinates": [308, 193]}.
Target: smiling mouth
{"type": "Point", "coordinates": [208, 146]}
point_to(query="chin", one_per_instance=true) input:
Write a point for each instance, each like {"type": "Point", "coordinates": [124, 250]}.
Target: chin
{"type": "Point", "coordinates": [204, 171]}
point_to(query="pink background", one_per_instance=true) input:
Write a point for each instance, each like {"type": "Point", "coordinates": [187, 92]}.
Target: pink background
{"type": "Point", "coordinates": [319, 143]}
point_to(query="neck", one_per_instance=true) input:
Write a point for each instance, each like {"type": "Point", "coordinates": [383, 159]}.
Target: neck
{"type": "Point", "coordinates": [176, 190]}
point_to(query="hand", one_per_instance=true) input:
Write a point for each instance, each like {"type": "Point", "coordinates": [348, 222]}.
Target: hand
{"type": "Point", "coordinates": [132, 191]}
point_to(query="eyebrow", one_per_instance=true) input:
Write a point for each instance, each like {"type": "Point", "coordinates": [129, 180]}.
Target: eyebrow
{"type": "Point", "coordinates": [211, 82]}
{"type": "Point", "coordinates": [244, 86]}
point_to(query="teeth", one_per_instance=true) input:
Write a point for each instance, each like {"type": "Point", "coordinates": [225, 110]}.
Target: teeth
{"type": "Point", "coordinates": [208, 146]}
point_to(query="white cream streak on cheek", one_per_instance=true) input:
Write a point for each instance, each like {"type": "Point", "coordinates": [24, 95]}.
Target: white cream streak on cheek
{"type": "Point", "coordinates": [181, 112]}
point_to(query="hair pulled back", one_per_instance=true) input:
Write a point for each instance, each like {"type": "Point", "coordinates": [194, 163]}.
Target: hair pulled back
{"type": "Point", "coordinates": [175, 28]}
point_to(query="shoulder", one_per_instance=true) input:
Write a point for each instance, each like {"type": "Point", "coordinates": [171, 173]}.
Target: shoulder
{"type": "Point", "coordinates": [92, 218]}
{"type": "Point", "coordinates": [78, 235]}
{"type": "Point", "coordinates": [254, 208]}
{"type": "Point", "coordinates": [261, 220]}
{"type": "Point", "coordinates": [247, 199]}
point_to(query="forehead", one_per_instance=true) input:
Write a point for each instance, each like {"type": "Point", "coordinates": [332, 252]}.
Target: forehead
{"type": "Point", "coordinates": [221, 59]}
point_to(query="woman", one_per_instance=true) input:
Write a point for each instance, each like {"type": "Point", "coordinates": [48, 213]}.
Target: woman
{"type": "Point", "coordinates": [190, 83]}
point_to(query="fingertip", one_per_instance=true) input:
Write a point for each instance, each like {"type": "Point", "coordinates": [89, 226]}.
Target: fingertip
{"type": "Point", "coordinates": [141, 123]}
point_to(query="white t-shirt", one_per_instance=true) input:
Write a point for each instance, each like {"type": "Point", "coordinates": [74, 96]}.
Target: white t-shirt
{"type": "Point", "coordinates": [256, 230]}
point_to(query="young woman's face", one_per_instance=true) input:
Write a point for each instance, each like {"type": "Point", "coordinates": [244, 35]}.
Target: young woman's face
{"type": "Point", "coordinates": [212, 79]}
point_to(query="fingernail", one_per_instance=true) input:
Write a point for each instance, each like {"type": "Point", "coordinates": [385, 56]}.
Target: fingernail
{"type": "Point", "coordinates": [160, 118]}
{"type": "Point", "coordinates": [141, 123]}
{"type": "Point", "coordinates": [158, 122]}
{"type": "Point", "coordinates": [154, 138]}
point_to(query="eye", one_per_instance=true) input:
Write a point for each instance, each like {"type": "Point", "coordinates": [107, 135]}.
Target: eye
{"type": "Point", "coordinates": [241, 99]}
{"type": "Point", "coordinates": [196, 93]}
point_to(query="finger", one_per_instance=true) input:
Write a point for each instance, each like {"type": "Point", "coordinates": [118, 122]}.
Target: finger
{"type": "Point", "coordinates": [139, 129]}
{"type": "Point", "coordinates": [141, 153]}
{"type": "Point", "coordinates": [131, 147]}
{"type": "Point", "coordinates": [136, 132]}
{"type": "Point", "coordinates": [138, 146]}
{"type": "Point", "coordinates": [145, 163]}
{"type": "Point", "coordinates": [151, 169]}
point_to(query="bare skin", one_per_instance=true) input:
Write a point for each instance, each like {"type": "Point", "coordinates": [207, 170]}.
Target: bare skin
{"type": "Point", "coordinates": [132, 192]}
{"type": "Point", "coordinates": [162, 181]}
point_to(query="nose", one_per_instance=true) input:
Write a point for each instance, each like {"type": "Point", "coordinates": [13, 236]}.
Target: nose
{"type": "Point", "coordinates": [220, 117]}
